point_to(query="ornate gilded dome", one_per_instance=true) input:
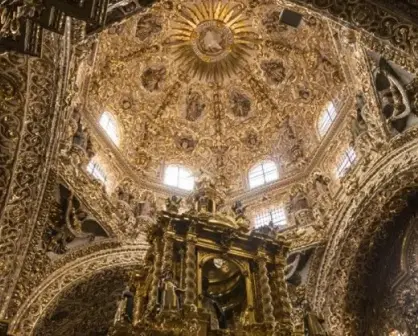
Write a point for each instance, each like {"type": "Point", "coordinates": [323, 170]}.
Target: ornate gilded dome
{"type": "Point", "coordinates": [218, 85]}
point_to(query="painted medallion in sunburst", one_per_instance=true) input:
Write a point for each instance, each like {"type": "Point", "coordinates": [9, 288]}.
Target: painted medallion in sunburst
{"type": "Point", "coordinates": [212, 39]}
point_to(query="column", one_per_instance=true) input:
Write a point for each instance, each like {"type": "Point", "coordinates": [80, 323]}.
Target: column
{"type": "Point", "coordinates": [168, 253]}
{"type": "Point", "coordinates": [190, 296]}
{"type": "Point", "coordinates": [283, 306]}
{"type": "Point", "coordinates": [152, 302]}
{"type": "Point", "coordinates": [266, 298]}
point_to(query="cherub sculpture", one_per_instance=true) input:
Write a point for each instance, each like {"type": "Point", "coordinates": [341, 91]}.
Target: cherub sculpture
{"type": "Point", "coordinates": [239, 210]}
{"type": "Point", "coordinates": [173, 204]}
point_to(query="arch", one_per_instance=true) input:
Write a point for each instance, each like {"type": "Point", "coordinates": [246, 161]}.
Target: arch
{"type": "Point", "coordinates": [263, 173]}
{"type": "Point", "coordinates": [178, 176]}
{"type": "Point", "coordinates": [385, 290]}
{"type": "Point", "coordinates": [61, 280]}
{"type": "Point", "coordinates": [87, 307]}
{"type": "Point", "coordinates": [109, 125]}
{"type": "Point", "coordinates": [355, 223]}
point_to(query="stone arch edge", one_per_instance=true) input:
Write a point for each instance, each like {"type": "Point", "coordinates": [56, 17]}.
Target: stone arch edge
{"type": "Point", "coordinates": [67, 276]}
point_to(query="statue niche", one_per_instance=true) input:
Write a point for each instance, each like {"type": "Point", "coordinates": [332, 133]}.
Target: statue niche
{"type": "Point", "coordinates": [299, 207]}
{"type": "Point", "coordinates": [70, 225]}
{"type": "Point", "coordinates": [77, 147]}
{"type": "Point", "coordinates": [224, 293]}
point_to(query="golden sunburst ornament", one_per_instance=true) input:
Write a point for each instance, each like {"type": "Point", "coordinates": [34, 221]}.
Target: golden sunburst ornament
{"type": "Point", "coordinates": [212, 38]}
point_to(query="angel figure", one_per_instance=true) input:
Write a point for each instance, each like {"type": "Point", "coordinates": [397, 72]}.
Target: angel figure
{"type": "Point", "coordinates": [173, 204]}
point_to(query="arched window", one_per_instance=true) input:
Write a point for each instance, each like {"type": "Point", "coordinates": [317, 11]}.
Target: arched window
{"type": "Point", "coordinates": [263, 173]}
{"type": "Point", "coordinates": [108, 123]}
{"type": "Point", "coordinates": [346, 161]}
{"type": "Point", "coordinates": [96, 171]}
{"type": "Point", "coordinates": [178, 176]}
{"type": "Point", "coordinates": [277, 216]}
{"type": "Point", "coordinates": [326, 119]}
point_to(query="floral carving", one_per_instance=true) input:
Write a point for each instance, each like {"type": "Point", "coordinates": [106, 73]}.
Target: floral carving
{"type": "Point", "coordinates": [274, 71]}
{"type": "Point", "coordinates": [29, 178]}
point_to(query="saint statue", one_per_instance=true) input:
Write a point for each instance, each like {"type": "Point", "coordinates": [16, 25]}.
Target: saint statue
{"type": "Point", "coordinates": [217, 315]}
{"type": "Point", "coordinates": [169, 299]}
{"type": "Point", "coordinates": [125, 309]}
{"type": "Point", "coordinates": [359, 125]}
{"type": "Point", "coordinates": [79, 138]}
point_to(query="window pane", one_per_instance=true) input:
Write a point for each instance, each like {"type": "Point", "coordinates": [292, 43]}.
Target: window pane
{"type": "Point", "coordinates": [326, 119]}
{"type": "Point", "coordinates": [351, 154]}
{"type": "Point", "coordinates": [271, 176]}
{"type": "Point", "coordinates": [263, 173]}
{"type": "Point", "coordinates": [262, 219]}
{"type": "Point", "coordinates": [171, 176]}
{"type": "Point", "coordinates": [346, 161]}
{"type": "Point", "coordinates": [332, 113]}
{"type": "Point", "coordinates": [256, 172]}
{"type": "Point", "coordinates": [108, 123]}
{"type": "Point", "coordinates": [186, 183]}
{"type": "Point", "coordinates": [256, 181]}
{"type": "Point", "coordinates": [179, 177]}
{"type": "Point", "coordinates": [96, 171]}
{"type": "Point", "coordinates": [277, 216]}
{"type": "Point", "coordinates": [184, 173]}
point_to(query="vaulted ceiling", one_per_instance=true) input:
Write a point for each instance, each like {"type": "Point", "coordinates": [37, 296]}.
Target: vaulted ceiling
{"type": "Point", "coordinates": [216, 85]}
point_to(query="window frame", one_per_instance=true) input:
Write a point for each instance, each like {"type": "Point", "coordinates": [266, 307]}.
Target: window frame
{"type": "Point", "coordinates": [345, 162]}
{"type": "Point", "coordinates": [266, 176]}
{"type": "Point", "coordinates": [182, 175]}
{"type": "Point", "coordinates": [95, 169]}
{"type": "Point", "coordinates": [327, 119]}
{"type": "Point", "coordinates": [110, 127]}
{"type": "Point", "coordinates": [277, 214]}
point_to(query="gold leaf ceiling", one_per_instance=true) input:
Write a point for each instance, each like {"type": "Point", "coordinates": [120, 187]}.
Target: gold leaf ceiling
{"type": "Point", "coordinates": [217, 85]}
{"type": "Point", "coordinates": [212, 39]}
